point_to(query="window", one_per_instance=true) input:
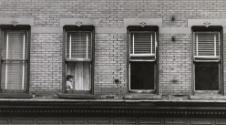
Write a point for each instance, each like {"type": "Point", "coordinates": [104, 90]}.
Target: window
{"type": "Point", "coordinates": [207, 58]}
{"type": "Point", "coordinates": [14, 58]}
{"type": "Point", "coordinates": [207, 44]}
{"type": "Point", "coordinates": [79, 42]}
{"type": "Point", "coordinates": [142, 58]}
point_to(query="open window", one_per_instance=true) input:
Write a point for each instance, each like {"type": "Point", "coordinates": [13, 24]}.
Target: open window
{"type": "Point", "coordinates": [142, 58]}
{"type": "Point", "coordinates": [14, 58]}
{"type": "Point", "coordinates": [79, 43]}
{"type": "Point", "coordinates": [207, 57]}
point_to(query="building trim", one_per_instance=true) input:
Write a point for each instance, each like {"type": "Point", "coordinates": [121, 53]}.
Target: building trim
{"type": "Point", "coordinates": [17, 21]}
{"type": "Point", "coordinates": [206, 22]}
{"type": "Point", "coordinates": [114, 108]}
{"type": "Point", "coordinates": [43, 30]}
{"type": "Point", "coordinates": [78, 21]}
{"type": "Point", "coordinates": [143, 21]}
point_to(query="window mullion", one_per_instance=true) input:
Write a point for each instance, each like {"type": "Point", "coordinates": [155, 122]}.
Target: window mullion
{"type": "Point", "coordinates": [155, 43]}
{"type": "Point", "coordinates": [91, 46]}
{"type": "Point", "coordinates": [197, 45]}
{"type": "Point", "coordinates": [6, 65]}
{"type": "Point", "coordinates": [23, 64]}
{"type": "Point", "coordinates": [151, 43]}
{"type": "Point", "coordinates": [215, 41]}
{"type": "Point", "coordinates": [133, 43]}
{"type": "Point", "coordinates": [70, 46]}
{"type": "Point", "coordinates": [219, 44]}
{"type": "Point", "coordinates": [87, 45]}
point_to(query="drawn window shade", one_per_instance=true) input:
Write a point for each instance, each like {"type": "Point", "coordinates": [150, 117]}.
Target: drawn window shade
{"type": "Point", "coordinates": [142, 59]}
{"type": "Point", "coordinates": [14, 61]}
{"type": "Point", "coordinates": [207, 59]}
{"type": "Point", "coordinates": [79, 59]}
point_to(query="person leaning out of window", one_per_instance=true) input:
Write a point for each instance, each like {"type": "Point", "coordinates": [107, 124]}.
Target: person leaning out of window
{"type": "Point", "coordinates": [69, 82]}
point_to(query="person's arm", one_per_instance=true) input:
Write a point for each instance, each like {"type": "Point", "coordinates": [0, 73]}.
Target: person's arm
{"type": "Point", "coordinates": [71, 87]}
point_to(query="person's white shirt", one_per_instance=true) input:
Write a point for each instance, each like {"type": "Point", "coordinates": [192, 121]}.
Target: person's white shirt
{"type": "Point", "coordinates": [69, 85]}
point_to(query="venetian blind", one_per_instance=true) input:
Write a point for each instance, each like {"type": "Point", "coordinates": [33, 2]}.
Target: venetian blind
{"type": "Point", "coordinates": [207, 44]}
{"type": "Point", "coordinates": [143, 43]}
{"type": "Point", "coordinates": [79, 45]}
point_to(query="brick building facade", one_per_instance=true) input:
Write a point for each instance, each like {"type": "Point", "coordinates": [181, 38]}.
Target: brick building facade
{"type": "Point", "coordinates": [175, 26]}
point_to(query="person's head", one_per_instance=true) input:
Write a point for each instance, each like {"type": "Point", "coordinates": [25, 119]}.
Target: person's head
{"type": "Point", "coordinates": [69, 77]}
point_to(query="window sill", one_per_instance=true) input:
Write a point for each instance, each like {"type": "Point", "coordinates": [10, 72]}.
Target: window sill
{"type": "Point", "coordinates": [207, 96]}
{"type": "Point", "coordinates": [78, 59]}
{"type": "Point", "coordinates": [16, 95]}
{"type": "Point", "coordinates": [76, 96]}
{"type": "Point", "coordinates": [139, 96]}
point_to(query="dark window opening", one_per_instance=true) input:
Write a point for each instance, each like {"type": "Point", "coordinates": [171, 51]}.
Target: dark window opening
{"type": "Point", "coordinates": [206, 76]}
{"type": "Point", "coordinates": [142, 75]}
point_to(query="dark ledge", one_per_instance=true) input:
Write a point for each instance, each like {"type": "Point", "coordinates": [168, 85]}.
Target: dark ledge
{"type": "Point", "coordinates": [76, 96]}
{"type": "Point", "coordinates": [100, 107]}
{"type": "Point", "coordinates": [19, 95]}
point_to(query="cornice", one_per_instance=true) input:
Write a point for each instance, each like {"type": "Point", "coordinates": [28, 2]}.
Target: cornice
{"type": "Point", "coordinates": [114, 108]}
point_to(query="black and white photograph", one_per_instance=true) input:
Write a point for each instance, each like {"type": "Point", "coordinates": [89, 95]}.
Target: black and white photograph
{"type": "Point", "coordinates": [112, 62]}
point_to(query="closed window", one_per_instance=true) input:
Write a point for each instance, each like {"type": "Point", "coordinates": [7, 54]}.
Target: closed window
{"type": "Point", "coordinates": [142, 58]}
{"type": "Point", "coordinates": [14, 59]}
{"type": "Point", "coordinates": [207, 58]}
{"type": "Point", "coordinates": [79, 60]}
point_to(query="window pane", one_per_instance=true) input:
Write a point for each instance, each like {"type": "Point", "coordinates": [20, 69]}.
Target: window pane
{"type": "Point", "coordinates": [207, 44]}
{"type": "Point", "coordinates": [142, 75]}
{"type": "Point", "coordinates": [14, 45]}
{"type": "Point", "coordinates": [206, 76]}
{"type": "Point", "coordinates": [142, 43]}
{"type": "Point", "coordinates": [13, 76]}
{"type": "Point", "coordinates": [13, 70]}
{"type": "Point", "coordinates": [206, 36]}
{"type": "Point", "coordinates": [79, 45]}
{"type": "Point", "coordinates": [81, 75]}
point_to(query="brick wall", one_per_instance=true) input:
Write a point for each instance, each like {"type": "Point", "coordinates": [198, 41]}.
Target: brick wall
{"type": "Point", "coordinates": [110, 63]}
{"type": "Point", "coordinates": [175, 63]}
{"type": "Point", "coordinates": [46, 62]}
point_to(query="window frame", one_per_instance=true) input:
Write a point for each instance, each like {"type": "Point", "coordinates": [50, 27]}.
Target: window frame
{"type": "Point", "coordinates": [144, 55]}
{"type": "Point", "coordinates": [141, 58]}
{"type": "Point", "coordinates": [82, 28]}
{"type": "Point", "coordinates": [18, 28]}
{"type": "Point", "coordinates": [219, 60]}
{"type": "Point", "coordinates": [215, 49]}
